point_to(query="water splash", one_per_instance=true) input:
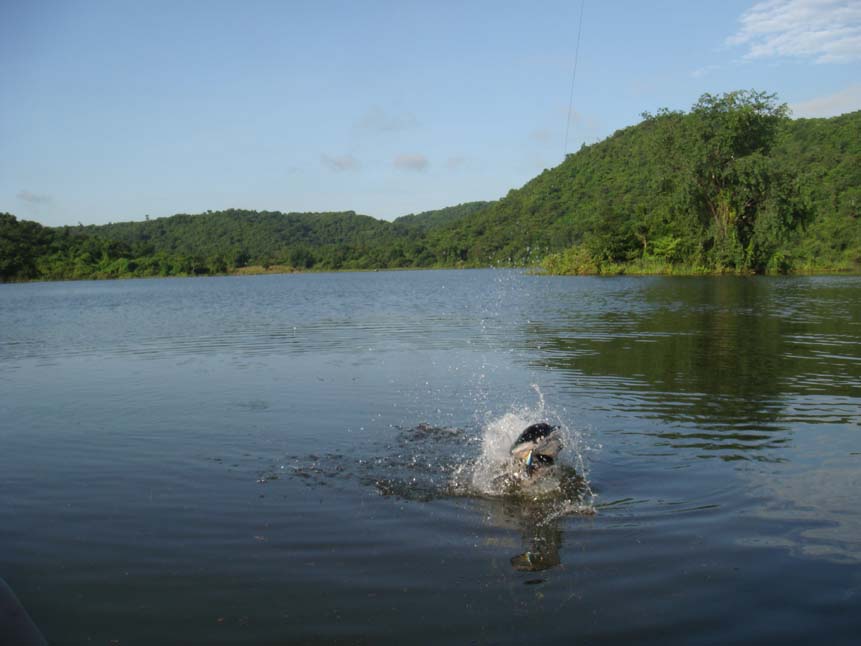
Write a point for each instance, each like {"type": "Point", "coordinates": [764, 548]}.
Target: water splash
{"type": "Point", "coordinates": [427, 462]}
{"type": "Point", "coordinates": [493, 473]}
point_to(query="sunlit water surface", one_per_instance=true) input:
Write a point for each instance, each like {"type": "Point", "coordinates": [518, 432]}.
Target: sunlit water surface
{"type": "Point", "coordinates": [312, 459]}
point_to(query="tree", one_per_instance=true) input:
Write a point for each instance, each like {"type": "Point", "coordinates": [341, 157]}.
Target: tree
{"type": "Point", "coordinates": [730, 179]}
{"type": "Point", "coordinates": [21, 243]}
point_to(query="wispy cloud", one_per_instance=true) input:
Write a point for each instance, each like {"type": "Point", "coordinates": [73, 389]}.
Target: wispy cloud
{"type": "Point", "coordinates": [414, 162]}
{"type": "Point", "coordinates": [456, 162]}
{"type": "Point", "coordinates": [340, 163]}
{"type": "Point", "coordinates": [828, 31]}
{"type": "Point", "coordinates": [706, 70]}
{"type": "Point", "coordinates": [378, 120]}
{"type": "Point", "coordinates": [846, 100]}
{"type": "Point", "coordinates": [33, 198]}
{"type": "Point", "coordinates": [541, 135]}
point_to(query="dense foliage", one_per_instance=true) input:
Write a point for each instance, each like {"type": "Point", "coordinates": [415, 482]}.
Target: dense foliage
{"type": "Point", "coordinates": [827, 154]}
{"type": "Point", "coordinates": [731, 185]}
{"type": "Point", "coordinates": [218, 242]}
{"type": "Point", "coordinates": [439, 218]}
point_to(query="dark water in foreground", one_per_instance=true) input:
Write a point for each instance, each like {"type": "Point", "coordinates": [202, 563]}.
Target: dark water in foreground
{"type": "Point", "coordinates": [303, 459]}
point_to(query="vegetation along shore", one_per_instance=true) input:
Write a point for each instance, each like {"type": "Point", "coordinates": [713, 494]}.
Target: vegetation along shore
{"type": "Point", "coordinates": [732, 186]}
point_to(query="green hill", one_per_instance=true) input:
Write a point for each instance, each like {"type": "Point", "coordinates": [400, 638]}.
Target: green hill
{"type": "Point", "coordinates": [222, 240]}
{"type": "Point", "coordinates": [218, 242]}
{"type": "Point", "coordinates": [732, 185]}
{"type": "Point", "coordinates": [588, 192]}
{"type": "Point", "coordinates": [439, 218]}
{"type": "Point", "coordinates": [633, 202]}
{"type": "Point", "coordinates": [827, 154]}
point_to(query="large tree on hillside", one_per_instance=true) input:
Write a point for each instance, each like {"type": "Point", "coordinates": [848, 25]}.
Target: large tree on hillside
{"type": "Point", "coordinates": [733, 203]}
{"type": "Point", "coordinates": [746, 200]}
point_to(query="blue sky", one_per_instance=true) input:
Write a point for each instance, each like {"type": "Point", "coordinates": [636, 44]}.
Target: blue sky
{"type": "Point", "coordinates": [111, 111]}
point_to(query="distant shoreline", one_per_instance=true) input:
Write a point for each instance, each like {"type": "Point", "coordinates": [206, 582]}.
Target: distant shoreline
{"type": "Point", "coordinates": [606, 272]}
{"type": "Point", "coordinates": [633, 270]}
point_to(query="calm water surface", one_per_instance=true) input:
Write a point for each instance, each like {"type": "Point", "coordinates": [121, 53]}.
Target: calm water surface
{"type": "Point", "coordinates": [287, 459]}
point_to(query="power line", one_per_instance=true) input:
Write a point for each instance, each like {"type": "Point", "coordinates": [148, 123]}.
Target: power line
{"type": "Point", "coordinates": [573, 76]}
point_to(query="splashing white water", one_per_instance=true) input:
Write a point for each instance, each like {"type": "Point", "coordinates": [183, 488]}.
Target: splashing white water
{"type": "Point", "coordinates": [490, 474]}
{"type": "Point", "coordinates": [427, 462]}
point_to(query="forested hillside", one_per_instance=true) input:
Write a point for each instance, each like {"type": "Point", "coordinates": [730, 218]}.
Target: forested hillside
{"type": "Point", "coordinates": [439, 218]}
{"type": "Point", "coordinates": [733, 185]}
{"type": "Point", "coordinates": [827, 155]}
{"type": "Point", "coordinates": [218, 242]}
{"type": "Point", "coordinates": [223, 240]}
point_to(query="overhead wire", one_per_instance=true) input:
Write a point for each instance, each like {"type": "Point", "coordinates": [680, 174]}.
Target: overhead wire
{"type": "Point", "coordinates": [573, 77]}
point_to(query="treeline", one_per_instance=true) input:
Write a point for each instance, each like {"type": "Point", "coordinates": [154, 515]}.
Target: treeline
{"type": "Point", "coordinates": [29, 251]}
{"type": "Point", "coordinates": [220, 242]}
{"type": "Point", "coordinates": [732, 185]}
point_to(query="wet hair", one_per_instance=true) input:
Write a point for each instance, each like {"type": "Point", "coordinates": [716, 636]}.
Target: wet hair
{"type": "Point", "coordinates": [534, 432]}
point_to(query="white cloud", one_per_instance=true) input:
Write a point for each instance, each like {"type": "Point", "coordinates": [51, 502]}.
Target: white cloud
{"type": "Point", "coordinates": [456, 162]}
{"type": "Point", "coordinates": [340, 163]}
{"type": "Point", "coordinates": [706, 70]}
{"type": "Point", "coordinates": [847, 100]}
{"type": "Point", "coordinates": [33, 198]}
{"type": "Point", "coordinates": [411, 162]}
{"type": "Point", "coordinates": [828, 31]}
{"type": "Point", "coordinates": [541, 135]}
{"type": "Point", "coordinates": [378, 120]}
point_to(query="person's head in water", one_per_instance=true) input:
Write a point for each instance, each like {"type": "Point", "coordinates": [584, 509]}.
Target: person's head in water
{"type": "Point", "coordinates": [537, 446]}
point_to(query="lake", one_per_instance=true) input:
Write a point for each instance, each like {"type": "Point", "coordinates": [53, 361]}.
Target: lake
{"type": "Point", "coordinates": [310, 459]}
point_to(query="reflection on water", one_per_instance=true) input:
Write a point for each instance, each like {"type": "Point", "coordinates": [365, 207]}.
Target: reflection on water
{"type": "Point", "coordinates": [723, 361]}
{"type": "Point", "coordinates": [761, 370]}
{"type": "Point", "coordinates": [428, 463]}
{"type": "Point", "coordinates": [538, 521]}
{"type": "Point", "coordinates": [312, 458]}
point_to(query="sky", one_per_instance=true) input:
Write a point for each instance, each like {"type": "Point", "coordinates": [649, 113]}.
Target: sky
{"type": "Point", "coordinates": [115, 111]}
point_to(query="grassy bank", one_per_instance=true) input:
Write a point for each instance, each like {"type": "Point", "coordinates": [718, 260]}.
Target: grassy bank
{"type": "Point", "coordinates": [578, 261]}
